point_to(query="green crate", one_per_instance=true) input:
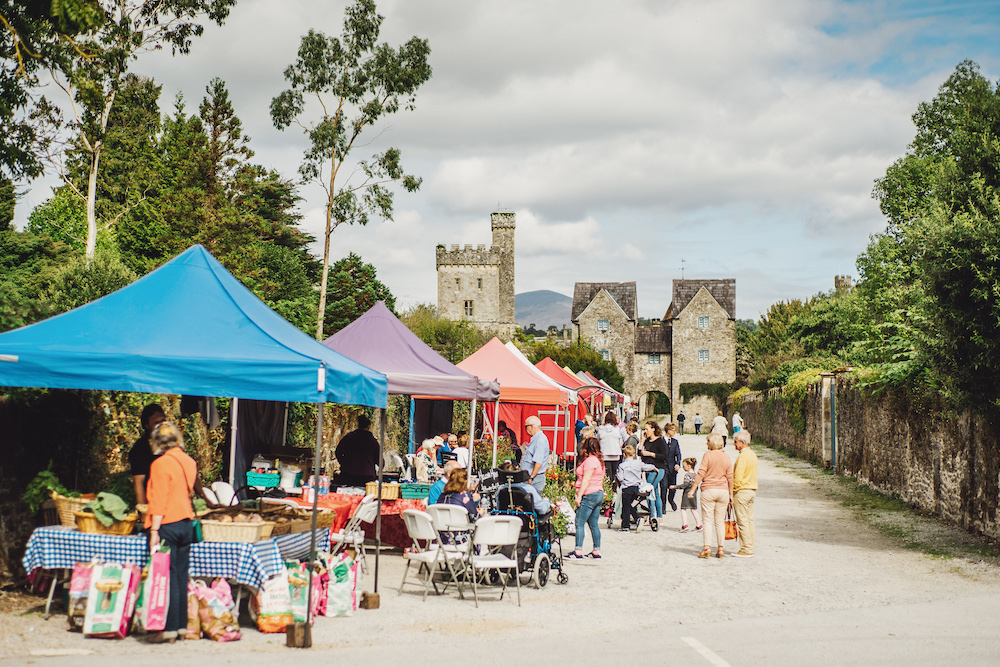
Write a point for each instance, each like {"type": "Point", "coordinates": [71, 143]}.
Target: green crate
{"type": "Point", "coordinates": [414, 491]}
{"type": "Point", "coordinates": [267, 479]}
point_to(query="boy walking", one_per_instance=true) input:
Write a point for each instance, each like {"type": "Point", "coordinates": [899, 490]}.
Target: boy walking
{"type": "Point", "coordinates": [631, 473]}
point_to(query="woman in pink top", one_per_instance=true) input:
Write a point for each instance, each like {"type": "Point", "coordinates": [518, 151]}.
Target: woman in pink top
{"type": "Point", "coordinates": [589, 497]}
{"type": "Point", "coordinates": [716, 478]}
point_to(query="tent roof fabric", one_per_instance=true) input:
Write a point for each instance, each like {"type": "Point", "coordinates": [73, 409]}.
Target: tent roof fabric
{"type": "Point", "coordinates": [524, 360]}
{"type": "Point", "coordinates": [564, 377]}
{"type": "Point", "coordinates": [380, 341]}
{"type": "Point", "coordinates": [189, 327]}
{"type": "Point", "coordinates": [518, 383]}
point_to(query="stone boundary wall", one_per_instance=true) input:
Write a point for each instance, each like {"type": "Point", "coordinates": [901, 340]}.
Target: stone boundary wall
{"type": "Point", "coordinates": [948, 466]}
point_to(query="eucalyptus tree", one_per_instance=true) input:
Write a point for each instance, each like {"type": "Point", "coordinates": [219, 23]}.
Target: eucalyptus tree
{"type": "Point", "coordinates": [98, 67]}
{"type": "Point", "coordinates": [34, 35]}
{"type": "Point", "coordinates": [354, 82]}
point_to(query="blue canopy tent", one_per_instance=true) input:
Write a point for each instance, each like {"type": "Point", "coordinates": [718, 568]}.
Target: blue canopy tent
{"type": "Point", "coordinates": [189, 327]}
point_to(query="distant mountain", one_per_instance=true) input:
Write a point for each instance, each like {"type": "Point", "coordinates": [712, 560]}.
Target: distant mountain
{"type": "Point", "coordinates": [543, 307]}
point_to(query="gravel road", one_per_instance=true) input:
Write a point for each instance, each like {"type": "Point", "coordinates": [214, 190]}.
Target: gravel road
{"type": "Point", "coordinates": [824, 588]}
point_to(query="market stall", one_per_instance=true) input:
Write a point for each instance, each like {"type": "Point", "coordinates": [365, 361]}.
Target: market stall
{"type": "Point", "coordinates": [188, 327]}
{"type": "Point", "coordinates": [522, 392]}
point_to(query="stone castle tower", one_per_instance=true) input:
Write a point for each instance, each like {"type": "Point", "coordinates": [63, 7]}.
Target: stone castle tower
{"type": "Point", "coordinates": [477, 284]}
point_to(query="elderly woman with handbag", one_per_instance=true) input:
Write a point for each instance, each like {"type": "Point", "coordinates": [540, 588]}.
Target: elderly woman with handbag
{"type": "Point", "coordinates": [716, 478]}
{"type": "Point", "coordinates": [169, 519]}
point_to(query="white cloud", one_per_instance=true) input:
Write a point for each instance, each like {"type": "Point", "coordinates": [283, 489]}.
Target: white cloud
{"type": "Point", "coordinates": [743, 136]}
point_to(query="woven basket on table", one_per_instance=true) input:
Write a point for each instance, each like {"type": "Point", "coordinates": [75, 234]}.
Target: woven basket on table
{"type": "Point", "coordinates": [390, 491]}
{"type": "Point", "coordinates": [66, 508]}
{"type": "Point", "coordinates": [224, 531]}
{"type": "Point", "coordinates": [324, 519]}
{"type": "Point", "coordinates": [88, 523]}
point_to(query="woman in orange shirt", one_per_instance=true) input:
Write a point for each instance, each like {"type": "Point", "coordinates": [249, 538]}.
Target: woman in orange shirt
{"type": "Point", "coordinates": [169, 519]}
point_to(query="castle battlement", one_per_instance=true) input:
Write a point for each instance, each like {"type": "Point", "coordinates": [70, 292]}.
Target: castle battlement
{"type": "Point", "coordinates": [467, 255]}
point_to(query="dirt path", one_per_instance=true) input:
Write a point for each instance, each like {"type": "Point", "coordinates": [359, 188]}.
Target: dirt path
{"type": "Point", "coordinates": [824, 588]}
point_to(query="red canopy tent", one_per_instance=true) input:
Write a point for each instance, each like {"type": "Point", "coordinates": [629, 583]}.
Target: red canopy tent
{"type": "Point", "coordinates": [564, 377]}
{"type": "Point", "coordinates": [522, 392]}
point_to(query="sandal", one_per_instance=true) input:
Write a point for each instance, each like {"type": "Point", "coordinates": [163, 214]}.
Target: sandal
{"type": "Point", "coordinates": [720, 553]}
{"type": "Point", "coordinates": [705, 553]}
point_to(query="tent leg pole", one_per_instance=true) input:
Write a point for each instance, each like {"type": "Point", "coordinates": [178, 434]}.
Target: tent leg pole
{"type": "Point", "coordinates": [312, 539]}
{"type": "Point", "coordinates": [378, 517]}
{"type": "Point", "coordinates": [234, 413]}
{"type": "Point", "coordinates": [413, 441]}
{"type": "Point", "coordinates": [496, 420]}
{"type": "Point", "coordinates": [472, 437]}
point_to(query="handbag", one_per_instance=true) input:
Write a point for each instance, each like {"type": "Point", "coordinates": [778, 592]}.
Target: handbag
{"type": "Point", "coordinates": [732, 532]}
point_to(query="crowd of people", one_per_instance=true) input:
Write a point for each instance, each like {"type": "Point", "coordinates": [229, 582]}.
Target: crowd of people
{"type": "Point", "coordinates": [623, 459]}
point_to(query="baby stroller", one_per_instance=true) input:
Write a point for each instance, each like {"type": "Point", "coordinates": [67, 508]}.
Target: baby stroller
{"type": "Point", "coordinates": [643, 505]}
{"type": "Point", "coordinates": [537, 547]}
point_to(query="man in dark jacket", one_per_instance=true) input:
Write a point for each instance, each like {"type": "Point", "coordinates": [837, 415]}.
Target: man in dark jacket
{"type": "Point", "coordinates": [357, 454]}
{"type": "Point", "coordinates": [673, 466]}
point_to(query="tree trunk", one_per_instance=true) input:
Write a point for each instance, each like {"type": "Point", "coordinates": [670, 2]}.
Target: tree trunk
{"type": "Point", "coordinates": [326, 247]}
{"type": "Point", "coordinates": [91, 203]}
{"type": "Point", "coordinates": [326, 271]}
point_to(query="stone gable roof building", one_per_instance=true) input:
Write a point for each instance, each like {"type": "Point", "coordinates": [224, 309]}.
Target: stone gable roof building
{"type": "Point", "coordinates": [622, 293]}
{"type": "Point", "coordinates": [695, 342]}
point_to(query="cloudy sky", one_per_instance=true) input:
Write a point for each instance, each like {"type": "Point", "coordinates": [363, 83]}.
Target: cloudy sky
{"type": "Point", "coordinates": [738, 138]}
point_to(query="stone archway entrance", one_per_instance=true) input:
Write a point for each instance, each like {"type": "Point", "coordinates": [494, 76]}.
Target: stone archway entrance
{"type": "Point", "coordinates": [654, 403]}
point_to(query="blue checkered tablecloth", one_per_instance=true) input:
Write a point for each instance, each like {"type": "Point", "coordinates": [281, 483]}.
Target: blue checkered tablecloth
{"type": "Point", "coordinates": [54, 547]}
{"type": "Point", "coordinates": [296, 545]}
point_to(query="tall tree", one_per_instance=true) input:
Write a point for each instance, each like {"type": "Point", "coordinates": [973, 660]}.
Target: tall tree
{"type": "Point", "coordinates": [33, 37]}
{"type": "Point", "coordinates": [353, 290]}
{"type": "Point", "coordinates": [930, 281]}
{"type": "Point", "coordinates": [356, 81]}
{"type": "Point", "coordinates": [228, 147]}
{"type": "Point", "coordinates": [97, 71]}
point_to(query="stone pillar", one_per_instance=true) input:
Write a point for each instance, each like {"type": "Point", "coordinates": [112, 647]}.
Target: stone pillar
{"type": "Point", "coordinates": [503, 225]}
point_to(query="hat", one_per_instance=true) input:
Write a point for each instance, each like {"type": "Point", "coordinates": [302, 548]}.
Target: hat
{"type": "Point", "coordinates": [438, 441]}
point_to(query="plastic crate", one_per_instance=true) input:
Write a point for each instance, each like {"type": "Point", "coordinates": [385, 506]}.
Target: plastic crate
{"type": "Point", "coordinates": [414, 490]}
{"type": "Point", "coordinates": [267, 480]}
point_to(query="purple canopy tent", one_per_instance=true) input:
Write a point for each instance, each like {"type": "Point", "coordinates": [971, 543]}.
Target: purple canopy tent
{"type": "Point", "coordinates": [381, 342]}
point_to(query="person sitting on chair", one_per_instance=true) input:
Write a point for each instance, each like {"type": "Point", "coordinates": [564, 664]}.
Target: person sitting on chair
{"type": "Point", "coordinates": [538, 501]}
{"type": "Point", "coordinates": [437, 488]}
{"type": "Point", "coordinates": [456, 492]}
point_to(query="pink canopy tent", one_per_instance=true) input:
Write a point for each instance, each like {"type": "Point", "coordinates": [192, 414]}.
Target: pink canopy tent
{"type": "Point", "coordinates": [522, 392]}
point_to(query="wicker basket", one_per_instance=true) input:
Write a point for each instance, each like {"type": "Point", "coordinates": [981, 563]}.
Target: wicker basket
{"type": "Point", "coordinates": [390, 491]}
{"type": "Point", "coordinates": [324, 519]}
{"type": "Point", "coordinates": [68, 507]}
{"type": "Point", "coordinates": [219, 531]}
{"type": "Point", "coordinates": [88, 523]}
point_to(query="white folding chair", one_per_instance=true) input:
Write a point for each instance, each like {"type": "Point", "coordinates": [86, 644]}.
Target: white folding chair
{"type": "Point", "coordinates": [426, 551]}
{"type": "Point", "coordinates": [491, 535]}
{"type": "Point", "coordinates": [354, 533]}
{"type": "Point", "coordinates": [450, 520]}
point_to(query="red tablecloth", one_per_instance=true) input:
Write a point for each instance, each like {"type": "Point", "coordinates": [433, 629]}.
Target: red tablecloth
{"type": "Point", "coordinates": [393, 528]}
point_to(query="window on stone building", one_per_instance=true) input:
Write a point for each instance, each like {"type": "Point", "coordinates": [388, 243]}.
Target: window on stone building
{"type": "Point", "coordinates": [458, 284]}
{"type": "Point", "coordinates": [480, 283]}
{"type": "Point", "coordinates": [703, 322]}
{"type": "Point", "coordinates": [603, 325]}
{"type": "Point", "coordinates": [653, 359]}
{"type": "Point", "coordinates": [703, 355]}
{"type": "Point", "coordinates": [606, 355]}
{"type": "Point", "coordinates": [468, 308]}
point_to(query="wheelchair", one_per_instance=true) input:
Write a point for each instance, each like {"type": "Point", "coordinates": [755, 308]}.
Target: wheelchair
{"type": "Point", "coordinates": [539, 553]}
